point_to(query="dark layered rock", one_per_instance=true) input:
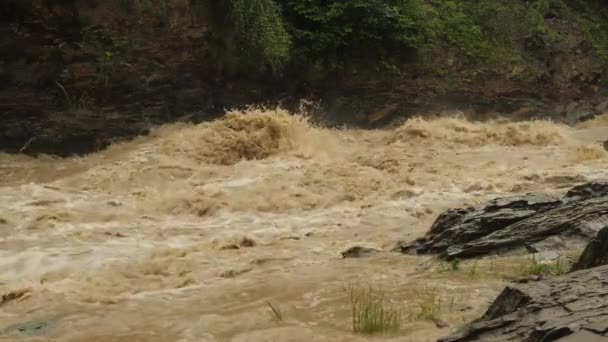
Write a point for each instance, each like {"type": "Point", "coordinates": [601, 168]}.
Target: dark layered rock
{"type": "Point", "coordinates": [596, 252]}
{"type": "Point", "coordinates": [576, 303]}
{"type": "Point", "coordinates": [536, 222]}
{"type": "Point", "coordinates": [458, 226]}
{"type": "Point", "coordinates": [593, 189]}
{"type": "Point", "coordinates": [572, 307]}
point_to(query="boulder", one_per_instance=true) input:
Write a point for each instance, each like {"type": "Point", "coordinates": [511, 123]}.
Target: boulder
{"type": "Point", "coordinates": [572, 307]}
{"type": "Point", "coordinates": [536, 222]}
{"type": "Point", "coordinates": [458, 226]}
{"type": "Point", "coordinates": [359, 252]}
{"type": "Point", "coordinates": [595, 254]}
{"type": "Point", "coordinates": [597, 188]}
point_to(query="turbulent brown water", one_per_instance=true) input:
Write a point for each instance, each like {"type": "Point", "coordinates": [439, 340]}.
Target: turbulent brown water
{"type": "Point", "coordinates": [189, 233]}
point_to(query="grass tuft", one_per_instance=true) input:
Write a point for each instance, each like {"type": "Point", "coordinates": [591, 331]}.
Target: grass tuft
{"type": "Point", "coordinates": [544, 269]}
{"type": "Point", "coordinates": [370, 313]}
{"type": "Point", "coordinates": [429, 304]}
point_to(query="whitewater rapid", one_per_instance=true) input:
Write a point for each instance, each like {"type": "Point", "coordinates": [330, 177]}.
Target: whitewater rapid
{"type": "Point", "coordinates": [188, 233]}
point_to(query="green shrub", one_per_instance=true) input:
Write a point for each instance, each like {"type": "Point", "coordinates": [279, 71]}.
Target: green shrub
{"type": "Point", "coordinates": [343, 35]}
{"type": "Point", "coordinates": [261, 33]}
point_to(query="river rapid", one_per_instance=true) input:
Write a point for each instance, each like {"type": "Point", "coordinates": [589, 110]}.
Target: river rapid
{"type": "Point", "coordinates": [189, 233]}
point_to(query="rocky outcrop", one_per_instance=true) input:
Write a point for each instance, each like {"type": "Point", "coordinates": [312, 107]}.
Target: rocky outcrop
{"type": "Point", "coordinates": [545, 311]}
{"type": "Point", "coordinates": [572, 307]}
{"type": "Point", "coordinates": [597, 188]}
{"type": "Point", "coordinates": [535, 222]}
{"type": "Point", "coordinates": [596, 252]}
{"type": "Point", "coordinates": [459, 226]}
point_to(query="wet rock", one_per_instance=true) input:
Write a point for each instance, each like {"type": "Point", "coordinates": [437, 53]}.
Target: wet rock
{"type": "Point", "coordinates": [13, 295]}
{"type": "Point", "coordinates": [229, 246]}
{"type": "Point", "coordinates": [583, 336]}
{"type": "Point", "coordinates": [572, 305]}
{"type": "Point", "coordinates": [114, 203]}
{"type": "Point", "coordinates": [538, 222]}
{"type": "Point", "coordinates": [595, 254]}
{"type": "Point", "coordinates": [359, 252]}
{"type": "Point", "coordinates": [549, 244]}
{"type": "Point", "coordinates": [247, 242]}
{"type": "Point", "coordinates": [458, 226]}
{"type": "Point", "coordinates": [592, 189]}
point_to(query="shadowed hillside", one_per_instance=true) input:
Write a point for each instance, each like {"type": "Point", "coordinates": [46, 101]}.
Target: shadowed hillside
{"type": "Point", "coordinates": [79, 73]}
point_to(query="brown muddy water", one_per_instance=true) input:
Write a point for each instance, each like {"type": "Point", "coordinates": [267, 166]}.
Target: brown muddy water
{"type": "Point", "coordinates": [189, 233]}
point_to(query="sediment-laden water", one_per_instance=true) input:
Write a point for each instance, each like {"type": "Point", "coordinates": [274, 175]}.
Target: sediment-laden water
{"type": "Point", "coordinates": [189, 233]}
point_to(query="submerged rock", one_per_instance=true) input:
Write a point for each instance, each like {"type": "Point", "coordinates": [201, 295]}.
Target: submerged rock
{"type": "Point", "coordinates": [535, 221]}
{"type": "Point", "coordinates": [359, 252]}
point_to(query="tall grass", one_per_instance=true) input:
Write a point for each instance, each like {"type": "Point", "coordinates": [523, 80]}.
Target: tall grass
{"type": "Point", "coordinates": [370, 312]}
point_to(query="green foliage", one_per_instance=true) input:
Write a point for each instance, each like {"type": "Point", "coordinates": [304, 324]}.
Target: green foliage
{"type": "Point", "coordinates": [375, 34]}
{"type": "Point", "coordinates": [452, 23]}
{"type": "Point", "coordinates": [592, 18]}
{"type": "Point", "coordinates": [111, 49]}
{"type": "Point", "coordinates": [319, 39]}
{"type": "Point", "coordinates": [339, 35]}
{"type": "Point", "coordinates": [455, 265]}
{"type": "Point", "coordinates": [544, 269]}
{"type": "Point", "coordinates": [261, 32]}
{"type": "Point", "coordinates": [370, 312]}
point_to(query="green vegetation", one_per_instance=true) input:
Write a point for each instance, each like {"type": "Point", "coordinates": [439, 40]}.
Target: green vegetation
{"type": "Point", "coordinates": [112, 49]}
{"type": "Point", "coordinates": [261, 31]}
{"type": "Point", "coordinates": [429, 304]}
{"type": "Point", "coordinates": [544, 269]}
{"type": "Point", "coordinates": [371, 313]}
{"type": "Point", "coordinates": [317, 39]}
{"type": "Point", "coordinates": [320, 37]}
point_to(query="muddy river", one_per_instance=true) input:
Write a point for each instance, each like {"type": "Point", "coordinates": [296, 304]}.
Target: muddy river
{"type": "Point", "coordinates": [194, 232]}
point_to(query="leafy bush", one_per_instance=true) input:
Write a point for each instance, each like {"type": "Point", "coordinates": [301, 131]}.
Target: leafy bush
{"type": "Point", "coordinates": [261, 32]}
{"type": "Point", "coordinates": [314, 39]}
{"type": "Point", "coordinates": [339, 35]}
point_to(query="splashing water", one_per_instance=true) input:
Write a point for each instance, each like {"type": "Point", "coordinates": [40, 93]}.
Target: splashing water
{"type": "Point", "coordinates": [186, 234]}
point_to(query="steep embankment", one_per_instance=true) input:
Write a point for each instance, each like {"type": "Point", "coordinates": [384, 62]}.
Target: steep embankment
{"type": "Point", "coordinates": [79, 73]}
